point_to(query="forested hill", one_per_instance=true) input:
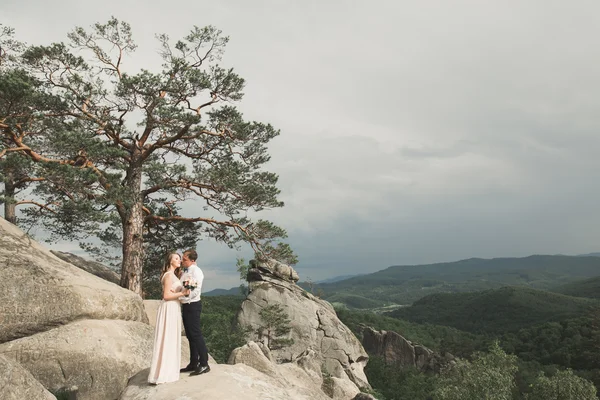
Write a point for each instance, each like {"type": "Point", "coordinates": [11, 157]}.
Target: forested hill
{"type": "Point", "coordinates": [585, 288]}
{"type": "Point", "coordinates": [495, 311]}
{"type": "Point", "coordinates": [406, 284]}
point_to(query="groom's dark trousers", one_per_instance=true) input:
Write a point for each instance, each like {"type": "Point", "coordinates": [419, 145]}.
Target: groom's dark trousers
{"type": "Point", "coordinates": [190, 314]}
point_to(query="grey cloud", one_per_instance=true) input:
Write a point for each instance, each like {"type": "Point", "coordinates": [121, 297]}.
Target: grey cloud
{"type": "Point", "coordinates": [411, 131]}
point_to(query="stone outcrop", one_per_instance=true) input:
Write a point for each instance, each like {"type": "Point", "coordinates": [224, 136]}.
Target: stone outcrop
{"type": "Point", "coordinates": [96, 356]}
{"type": "Point", "coordinates": [63, 329]}
{"type": "Point", "coordinates": [224, 381]}
{"type": "Point", "coordinates": [16, 383]}
{"type": "Point", "coordinates": [271, 271]}
{"type": "Point", "coordinates": [93, 267]}
{"type": "Point", "coordinates": [65, 326]}
{"type": "Point", "coordinates": [39, 291]}
{"type": "Point", "coordinates": [395, 349]}
{"type": "Point", "coordinates": [305, 371]}
{"type": "Point", "coordinates": [250, 375]}
{"type": "Point", "coordinates": [315, 325]}
{"type": "Point", "coordinates": [257, 356]}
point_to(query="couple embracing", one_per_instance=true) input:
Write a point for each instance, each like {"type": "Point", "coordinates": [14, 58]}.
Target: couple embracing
{"type": "Point", "coordinates": [181, 281]}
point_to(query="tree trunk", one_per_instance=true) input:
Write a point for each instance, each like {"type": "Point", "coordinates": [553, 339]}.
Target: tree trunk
{"type": "Point", "coordinates": [133, 224]}
{"type": "Point", "coordinates": [10, 204]}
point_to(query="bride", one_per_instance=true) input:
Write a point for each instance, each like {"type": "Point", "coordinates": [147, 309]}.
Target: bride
{"type": "Point", "coordinates": [166, 356]}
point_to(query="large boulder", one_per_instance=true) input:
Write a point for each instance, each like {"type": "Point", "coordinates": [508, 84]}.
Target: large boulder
{"type": "Point", "coordinates": [255, 355]}
{"type": "Point", "coordinates": [16, 383]}
{"type": "Point", "coordinates": [398, 351]}
{"type": "Point", "coordinates": [96, 356]}
{"type": "Point", "coordinates": [391, 346]}
{"type": "Point", "coordinates": [271, 271]}
{"type": "Point", "coordinates": [305, 371]}
{"type": "Point", "coordinates": [93, 267]}
{"type": "Point", "coordinates": [314, 323]}
{"type": "Point", "coordinates": [39, 291]}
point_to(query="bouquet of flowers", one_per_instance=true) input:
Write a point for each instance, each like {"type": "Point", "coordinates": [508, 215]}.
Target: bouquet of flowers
{"type": "Point", "coordinates": [190, 284]}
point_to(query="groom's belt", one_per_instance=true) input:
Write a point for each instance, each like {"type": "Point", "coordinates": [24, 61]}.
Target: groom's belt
{"type": "Point", "coordinates": [190, 302]}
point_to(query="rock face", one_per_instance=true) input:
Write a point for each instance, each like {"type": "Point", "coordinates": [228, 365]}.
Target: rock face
{"type": "Point", "coordinates": [38, 291]}
{"type": "Point", "coordinates": [304, 372]}
{"type": "Point", "coordinates": [397, 350]}
{"type": "Point", "coordinates": [222, 382]}
{"type": "Point", "coordinates": [254, 376]}
{"type": "Point", "coordinates": [97, 356]}
{"type": "Point", "coordinates": [315, 325]}
{"type": "Point", "coordinates": [93, 267]}
{"type": "Point", "coordinates": [66, 327]}
{"type": "Point", "coordinates": [272, 271]}
{"type": "Point", "coordinates": [16, 383]}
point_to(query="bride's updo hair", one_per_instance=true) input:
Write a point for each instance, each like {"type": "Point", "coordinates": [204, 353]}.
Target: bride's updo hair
{"type": "Point", "coordinates": [167, 263]}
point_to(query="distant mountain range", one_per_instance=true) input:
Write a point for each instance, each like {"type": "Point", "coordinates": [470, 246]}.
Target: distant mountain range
{"type": "Point", "coordinates": [590, 255]}
{"type": "Point", "coordinates": [236, 290]}
{"type": "Point", "coordinates": [405, 284]}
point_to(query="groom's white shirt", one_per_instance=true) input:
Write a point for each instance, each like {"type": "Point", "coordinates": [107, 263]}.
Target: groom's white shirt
{"type": "Point", "coordinates": [193, 272]}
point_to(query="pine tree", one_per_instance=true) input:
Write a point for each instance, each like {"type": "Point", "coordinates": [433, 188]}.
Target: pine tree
{"type": "Point", "coordinates": [18, 94]}
{"type": "Point", "coordinates": [275, 323]}
{"type": "Point", "coordinates": [122, 151]}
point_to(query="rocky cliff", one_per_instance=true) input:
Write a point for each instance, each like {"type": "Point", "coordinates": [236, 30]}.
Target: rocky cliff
{"type": "Point", "coordinates": [315, 327]}
{"type": "Point", "coordinates": [65, 329]}
{"type": "Point", "coordinates": [396, 350]}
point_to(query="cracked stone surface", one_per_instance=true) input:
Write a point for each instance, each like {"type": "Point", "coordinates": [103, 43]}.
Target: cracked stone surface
{"type": "Point", "coordinates": [39, 291]}
{"type": "Point", "coordinates": [16, 383]}
{"type": "Point", "coordinates": [315, 325]}
{"type": "Point", "coordinates": [304, 373]}
{"type": "Point", "coordinates": [93, 267]}
{"type": "Point", "coordinates": [97, 356]}
{"type": "Point", "coordinates": [250, 375]}
{"type": "Point", "coordinates": [225, 382]}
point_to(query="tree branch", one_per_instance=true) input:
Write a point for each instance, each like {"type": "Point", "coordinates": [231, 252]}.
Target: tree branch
{"type": "Point", "coordinates": [41, 206]}
{"type": "Point", "coordinates": [28, 180]}
{"type": "Point", "coordinates": [5, 151]}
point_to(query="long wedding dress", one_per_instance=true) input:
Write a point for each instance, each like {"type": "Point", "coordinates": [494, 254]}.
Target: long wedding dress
{"type": "Point", "coordinates": [166, 356]}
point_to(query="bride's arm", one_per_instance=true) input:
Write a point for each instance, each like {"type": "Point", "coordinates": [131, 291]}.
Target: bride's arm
{"type": "Point", "coordinates": [168, 293]}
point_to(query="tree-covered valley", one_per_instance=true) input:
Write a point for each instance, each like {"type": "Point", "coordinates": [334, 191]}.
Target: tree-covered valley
{"type": "Point", "coordinates": [517, 314]}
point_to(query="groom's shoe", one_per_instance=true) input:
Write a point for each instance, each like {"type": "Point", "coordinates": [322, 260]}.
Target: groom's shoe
{"type": "Point", "coordinates": [200, 370]}
{"type": "Point", "coordinates": [189, 368]}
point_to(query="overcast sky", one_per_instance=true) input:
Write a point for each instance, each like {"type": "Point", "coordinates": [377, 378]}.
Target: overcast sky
{"type": "Point", "coordinates": [411, 131]}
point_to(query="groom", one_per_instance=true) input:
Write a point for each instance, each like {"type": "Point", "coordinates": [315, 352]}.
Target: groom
{"type": "Point", "coordinates": [191, 308]}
